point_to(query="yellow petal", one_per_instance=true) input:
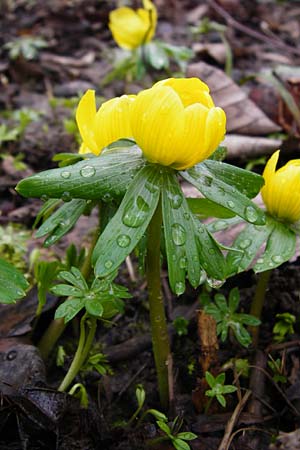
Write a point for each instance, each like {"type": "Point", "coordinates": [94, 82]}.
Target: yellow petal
{"type": "Point", "coordinates": [84, 149]}
{"type": "Point", "coordinates": [85, 117]}
{"type": "Point", "coordinates": [281, 192]}
{"type": "Point", "coordinates": [215, 130]}
{"type": "Point", "coordinates": [190, 147]}
{"type": "Point", "coordinates": [190, 90]}
{"type": "Point", "coordinates": [129, 28]}
{"type": "Point", "coordinates": [157, 121]}
{"type": "Point", "coordinates": [112, 121]}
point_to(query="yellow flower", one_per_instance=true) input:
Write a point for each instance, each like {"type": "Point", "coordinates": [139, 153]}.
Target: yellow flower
{"type": "Point", "coordinates": [100, 128]}
{"type": "Point", "coordinates": [175, 122]}
{"type": "Point", "coordinates": [131, 28]}
{"type": "Point", "coordinates": [281, 192]}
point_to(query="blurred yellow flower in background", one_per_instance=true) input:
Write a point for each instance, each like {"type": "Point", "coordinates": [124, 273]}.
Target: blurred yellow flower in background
{"type": "Point", "coordinates": [131, 28]}
{"type": "Point", "coordinates": [100, 128]}
{"type": "Point", "coordinates": [281, 192]}
{"type": "Point", "coordinates": [175, 122]}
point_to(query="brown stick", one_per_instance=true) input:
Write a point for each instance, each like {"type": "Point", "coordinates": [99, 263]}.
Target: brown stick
{"type": "Point", "coordinates": [225, 443]}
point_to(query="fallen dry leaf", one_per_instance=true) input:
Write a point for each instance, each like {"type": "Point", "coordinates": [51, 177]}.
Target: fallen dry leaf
{"type": "Point", "coordinates": [243, 116]}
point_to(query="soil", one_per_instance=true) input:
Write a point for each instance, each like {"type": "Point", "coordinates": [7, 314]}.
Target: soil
{"type": "Point", "coordinates": [34, 415]}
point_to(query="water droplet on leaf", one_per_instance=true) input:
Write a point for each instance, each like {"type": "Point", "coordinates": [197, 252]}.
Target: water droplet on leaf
{"type": "Point", "coordinates": [178, 234]}
{"type": "Point", "coordinates": [245, 244]}
{"type": "Point", "coordinates": [251, 214]}
{"type": "Point", "coordinates": [179, 288]}
{"type": "Point", "coordinates": [65, 174]}
{"type": "Point", "coordinates": [123, 240]}
{"type": "Point", "coordinates": [277, 259]}
{"type": "Point", "coordinates": [230, 204]}
{"type": "Point", "coordinates": [66, 196]}
{"type": "Point", "coordinates": [87, 171]}
{"type": "Point", "coordinates": [108, 264]}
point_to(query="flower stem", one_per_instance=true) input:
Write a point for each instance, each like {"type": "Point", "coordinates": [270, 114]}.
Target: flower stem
{"type": "Point", "coordinates": [258, 302]}
{"type": "Point", "coordinates": [75, 366]}
{"type": "Point", "coordinates": [159, 331]}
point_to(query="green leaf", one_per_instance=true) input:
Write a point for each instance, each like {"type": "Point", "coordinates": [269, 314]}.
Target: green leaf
{"type": "Point", "coordinates": [61, 221]}
{"type": "Point", "coordinates": [228, 186]}
{"type": "Point", "coordinates": [221, 303]}
{"type": "Point", "coordinates": [179, 444]}
{"type": "Point", "coordinates": [280, 248]}
{"type": "Point", "coordinates": [248, 319]}
{"type": "Point", "coordinates": [249, 241]}
{"type": "Point", "coordinates": [155, 56]}
{"type": "Point", "coordinates": [234, 299]}
{"type": "Point", "coordinates": [69, 309]}
{"type": "Point", "coordinates": [74, 277]}
{"type": "Point", "coordinates": [203, 208]}
{"type": "Point", "coordinates": [180, 236]}
{"type": "Point", "coordinates": [104, 177]}
{"type": "Point", "coordinates": [241, 333]}
{"type": "Point", "coordinates": [220, 379]}
{"type": "Point", "coordinates": [158, 415]}
{"type": "Point", "coordinates": [45, 272]}
{"type": "Point", "coordinates": [65, 290]}
{"type": "Point", "coordinates": [228, 389]}
{"type": "Point", "coordinates": [221, 400]}
{"type": "Point", "coordinates": [130, 222]}
{"type": "Point", "coordinates": [13, 283]}
{"type": "Point", "coordinates": [94, 306]}
{"type": "Point", "coordinates": [164, 427]}
{"type": "Point", "coordinates": [187, 435]}
{"type": "Point", "coordinates": [210, 379]}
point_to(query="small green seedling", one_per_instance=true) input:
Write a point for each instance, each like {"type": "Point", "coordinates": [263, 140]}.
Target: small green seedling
{"type": "Point", "coordinates": [218, 388]}
{"type": "Point", "coordinates": [98, 362]}
{"type": "Point", "coordinates": [172, 433]}
{"type": "Point", "coordinates": [181, 326]}
{"type": "Point", "coordinates": [228, 318]}
{"type": "Point", "coordinates": [284, 326]}
{"type": "Point", "coordinates": [141, 397]}
{"type": "Point", "coordinates": [26, 46]}
{"type": "Point", "coordinates": [277, 368]}
{"type": "Point", "coordinates": [79, 391]}
{"type": "Point", "coordinates": [103, 299]}
{"type": "Point", "coordinates": [60, 356]}
{"type": "Point", "coordinates": [8, 134]}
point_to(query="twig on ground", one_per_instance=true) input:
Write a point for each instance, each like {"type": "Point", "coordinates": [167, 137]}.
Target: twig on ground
{"type": "Point", "coordinates": [225, 443]}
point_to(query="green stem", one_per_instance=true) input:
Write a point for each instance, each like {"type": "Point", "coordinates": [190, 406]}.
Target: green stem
{"type": "Point", "coordinates": [75, 366]}
{"type": "Point", "coordinates": [258, 302]}
{"type": "Point", "coordinates": [57, 326]}
{"type": "Point", "coordinates": [159, 331]}
{"type": "Point", "coordinates": [92, 324]}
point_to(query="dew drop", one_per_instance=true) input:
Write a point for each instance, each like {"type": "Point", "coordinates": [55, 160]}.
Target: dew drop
{"type": "Point", "coordinates": [20, 292]}
{"type": "Point", "coordinates": [182, 262]}
{"type": "Point", "coordinates": [211, 251]}
{"type": "Point", "coordinates": [135, 212]}
{"type": "Point", "coordinates": [107, 197]}
{"type": "Point", "coordinates": [277, 259]}
{"type": "Point", "coordinates": [108, 264]}
{"type": "Point", "coordinates": [123, 240]}
{"type": "Point", "coordinates": [175, 200]}
{"type": "Point", "coordinates": [87, 171]}
{"type": "Point", "coordinates": [178, 234]}
{"type": "Point", "coordinates": [251, 214]}
{"type": "Point", "coordinates": [245, 244]}
{"type": "Point", "coordinates": [179, 288]}
{"type": "Point", "coordinates": [215, 284]}
{"type": "Point", "coordinates": [221, 191]}
{"type": "Point", "coordinates": [206, 180]}
{"type": "Point", "coordinates": [260, 261]}
{"type": "Point", "coordinates": [219, 225]}
{"type": "Point", "coordinates": [201, 229]}
{"type": "Point", "coordinates": [65, 174]}
{"type": "Point", "coordinates": [187, 216]}
{"type": "Point", "coordinates": [44, 197]}
{"type": "Point", "coordinates": [66, 196]}
{"type": "Point", "coordinates": [230, 204]}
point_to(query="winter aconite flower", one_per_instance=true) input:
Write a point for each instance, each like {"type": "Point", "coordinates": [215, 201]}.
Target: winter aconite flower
{"type": "Point", "coordinates": [100, 128]}
{"type": "Point", "coordinates": [131, 28]}
{"type": "Point", "coordinates": [281, 192]}
{"type": "Point", "coordinates": [175, 122]}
